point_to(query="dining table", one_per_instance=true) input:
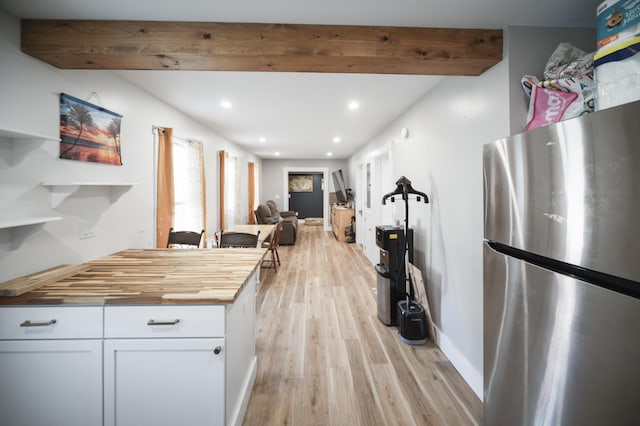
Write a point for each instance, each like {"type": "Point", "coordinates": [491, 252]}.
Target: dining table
{"type": "Point", "coordinates": [264, 231]}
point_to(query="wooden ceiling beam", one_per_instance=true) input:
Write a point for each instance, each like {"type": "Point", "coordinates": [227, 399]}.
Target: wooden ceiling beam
{"type": "Point", "coordinates": [161, 45]}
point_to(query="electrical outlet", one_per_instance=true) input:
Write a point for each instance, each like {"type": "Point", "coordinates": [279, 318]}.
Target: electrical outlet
{"type": "Point", "coordinates": [87, 229]}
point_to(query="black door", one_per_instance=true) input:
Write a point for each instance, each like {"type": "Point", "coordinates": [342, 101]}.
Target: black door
{"type": "Point", "coordinates": [305, 194]}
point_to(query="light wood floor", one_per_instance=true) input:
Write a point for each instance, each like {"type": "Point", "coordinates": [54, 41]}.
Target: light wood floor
{"type": "Point", "coordinates": [324, 358]}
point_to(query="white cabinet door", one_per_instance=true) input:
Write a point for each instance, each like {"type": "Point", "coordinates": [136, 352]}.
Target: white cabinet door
{"type": "Point", "coordinates": [164, 382]}
{"type": "Point", "coordinates": [50, 382]}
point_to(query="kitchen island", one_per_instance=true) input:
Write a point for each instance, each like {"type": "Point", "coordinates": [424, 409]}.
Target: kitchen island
{"type": "Point", "coordinates": [155, 336]}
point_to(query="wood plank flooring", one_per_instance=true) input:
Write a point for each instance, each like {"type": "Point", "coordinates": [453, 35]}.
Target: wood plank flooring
{"type": "Point", "coordinates": [324, 358]}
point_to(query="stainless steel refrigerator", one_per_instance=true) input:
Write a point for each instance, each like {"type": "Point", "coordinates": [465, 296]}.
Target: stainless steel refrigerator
{"type": "Point", "coordinates": [562, 273]}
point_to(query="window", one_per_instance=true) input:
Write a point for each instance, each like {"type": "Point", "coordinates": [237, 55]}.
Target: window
{"type": "Point", "coordinates": [232, 191]}
{"type": "Point", "coordinates": [189, 187]}
{"type": "Point", "coordinates": [368, 183]}
{"type": "Point", "coordinates": [229, 190]}
{"type": "Point", "coordinates": [254, 190]}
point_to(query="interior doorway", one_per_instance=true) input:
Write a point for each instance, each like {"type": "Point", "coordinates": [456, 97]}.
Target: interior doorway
{"type": "Point", "coordinates": [305, 194]}
{"type": "Point", "coordinates": [302, 170]}
{"type": "Point", "coordinates": [374, 180]}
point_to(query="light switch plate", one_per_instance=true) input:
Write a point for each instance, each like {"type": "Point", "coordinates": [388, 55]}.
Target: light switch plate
{"type": "Point", "coordinates": [87, 229]}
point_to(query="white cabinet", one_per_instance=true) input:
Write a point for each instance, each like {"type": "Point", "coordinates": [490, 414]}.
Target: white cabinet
{"type": "Point", "coordinates": [180, 364]}
{"type": "Point", "coordinates": [241, 358]}
{"type": "Point", "coordinates": [128, 365]}
{"type": "Point", "coordinates": [51, 366]}
{"type": "Point", "coordinates": [164, 365]}
{"type": "Point", "coordinates": [170, 381]}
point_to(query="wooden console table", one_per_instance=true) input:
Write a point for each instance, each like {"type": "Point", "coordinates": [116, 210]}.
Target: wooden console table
{"type": "Point", "coordinates": [340, 221]}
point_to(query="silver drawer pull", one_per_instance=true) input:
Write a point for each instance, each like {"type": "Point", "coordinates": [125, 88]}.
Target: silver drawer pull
{"type": "Point", "coordinates": [154, 322]}
{"type": "Point", "coordinates": [28, 323]}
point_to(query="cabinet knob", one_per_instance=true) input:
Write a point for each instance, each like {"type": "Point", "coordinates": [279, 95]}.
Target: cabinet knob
{"type": "Point", "coordinates": [217, 350]}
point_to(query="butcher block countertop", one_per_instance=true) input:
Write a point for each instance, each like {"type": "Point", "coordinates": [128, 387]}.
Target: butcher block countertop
{"type": "Point", "coordinates": [146, 276]}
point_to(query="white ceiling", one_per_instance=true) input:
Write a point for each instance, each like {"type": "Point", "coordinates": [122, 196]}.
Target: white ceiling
{"type": "Point", "coordinates": [300, 113]}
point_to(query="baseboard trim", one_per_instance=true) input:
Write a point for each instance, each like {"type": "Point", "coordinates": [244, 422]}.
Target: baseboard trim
{"type": "Point", "coordinates": [472, 376]}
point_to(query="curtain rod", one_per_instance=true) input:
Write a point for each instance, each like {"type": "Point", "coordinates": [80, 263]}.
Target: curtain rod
{"type": "Point", "coordinates": [155, 128]}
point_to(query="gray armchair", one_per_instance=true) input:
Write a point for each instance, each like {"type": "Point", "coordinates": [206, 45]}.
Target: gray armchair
{"type": "Point", "coordinates": [275, 212]}
{"type": "Point", "coordinates": [268, 213]}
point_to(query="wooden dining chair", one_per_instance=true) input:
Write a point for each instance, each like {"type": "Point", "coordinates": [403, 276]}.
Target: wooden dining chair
{"type": "Point", "coordinates": [272, 245]}
{"type": "Point", "coordinates": [184, 239]}
{"type": "Point", "coordinates": [238, 239]}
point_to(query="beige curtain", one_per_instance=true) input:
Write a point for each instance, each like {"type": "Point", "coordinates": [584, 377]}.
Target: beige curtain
{"type": "Point", "coordinates": [204, 190]}
{"type": "Point", "coordinates": [252, 193]}
{"type": "Point", "coordinates": [221, 157]}
{"type": "Point", "coordinates": [164, 196]}
{"type": "Point", "coordinates": [232, 191]}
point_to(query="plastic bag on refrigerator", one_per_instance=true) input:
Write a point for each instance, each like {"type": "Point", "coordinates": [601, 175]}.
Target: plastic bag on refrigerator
{"type": "Point", "coordinates": [567, 90]}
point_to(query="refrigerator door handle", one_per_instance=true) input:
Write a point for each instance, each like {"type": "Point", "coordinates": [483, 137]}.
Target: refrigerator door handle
{"type": "Point", "coordinates": [600, 279]}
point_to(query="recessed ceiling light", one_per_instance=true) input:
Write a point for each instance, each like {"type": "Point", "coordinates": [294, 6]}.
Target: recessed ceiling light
{"type": "Point", "coordinates": [336, 139]}
{"type": "Point", "coordinates": [277, 154]}
{"type": "Point", "coordinates": [354, 105]}
{"type": "Point", "coordinates": [329, 154]}
{"type": "Point", "coordinates": [226, 104]}
{"type": "Point", "coordinates": [262, 139]}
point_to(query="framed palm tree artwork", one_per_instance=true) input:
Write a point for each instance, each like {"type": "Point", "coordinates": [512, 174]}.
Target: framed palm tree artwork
{"type": "Point", "coordinates": [89, 132]}
{"type": "Point", "coordinates": [300, 183]}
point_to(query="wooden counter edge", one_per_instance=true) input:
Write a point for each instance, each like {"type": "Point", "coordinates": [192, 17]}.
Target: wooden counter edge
{"type": "Point", "coordinates": [24, 284]}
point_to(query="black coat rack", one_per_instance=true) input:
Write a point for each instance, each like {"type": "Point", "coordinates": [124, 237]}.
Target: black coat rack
{"type": "Point", "coordinates": [404, 188]}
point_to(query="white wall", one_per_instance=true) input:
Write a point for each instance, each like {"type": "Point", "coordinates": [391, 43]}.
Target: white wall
{"type": "Point", "coordinates": [30, 104]}
{"type": "Point", "coordinates": [443, 158]}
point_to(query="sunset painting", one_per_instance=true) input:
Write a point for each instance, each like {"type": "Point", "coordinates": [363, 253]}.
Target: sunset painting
{"type": "Point", "coordinates": [89, 132]}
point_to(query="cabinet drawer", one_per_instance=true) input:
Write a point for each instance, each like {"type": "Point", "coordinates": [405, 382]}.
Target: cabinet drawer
{"type": "Point", "coordinates": [68, 322]}
{"type": "Point", "coordinates": [164, 321]}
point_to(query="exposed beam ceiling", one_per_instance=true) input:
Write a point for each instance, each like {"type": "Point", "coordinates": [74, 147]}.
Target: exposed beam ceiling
{"type": "Point", "coordinates": [161, 45]}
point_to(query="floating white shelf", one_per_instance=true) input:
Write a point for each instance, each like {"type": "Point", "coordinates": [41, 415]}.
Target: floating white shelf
{"type": "Point", "coordinates": [60, 191]}
{"type": "Point", "coordinates": [15, 135]}
{"type": "Point", "coordinates": [14, 223]}
{"type": "Point", "coordinates": [20, 143]}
